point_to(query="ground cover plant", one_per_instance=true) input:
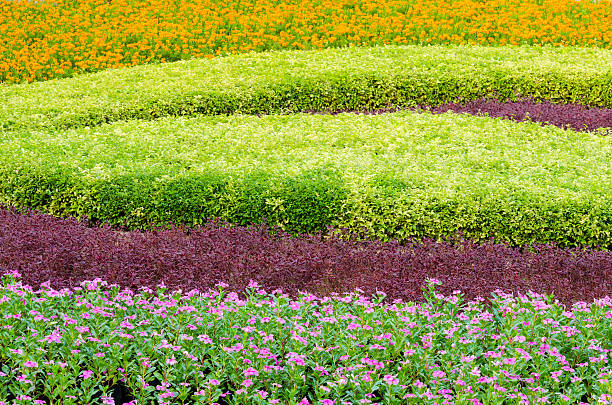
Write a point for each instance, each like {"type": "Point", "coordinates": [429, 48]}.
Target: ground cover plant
{"type": "Point", "coordinates": [47, 39]}
{"type": "Point", "coordinates": [327, 80]}
{"type": "Point", "coordinates": [401, 175]}
{"type": "Point", "coordinates": [105, 344]}
{"type": "Point", "coordinates": [42, 248]}
{"type": "Point", "coordinates": [573, 116]}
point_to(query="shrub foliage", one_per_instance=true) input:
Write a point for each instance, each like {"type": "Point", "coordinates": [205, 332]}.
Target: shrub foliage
{"type": "Point", "coordinates": [392, 176]}
{"type": "Point", "coordinates": [67, 252]}
{"type": "Point", "coordinates": [330, 79]}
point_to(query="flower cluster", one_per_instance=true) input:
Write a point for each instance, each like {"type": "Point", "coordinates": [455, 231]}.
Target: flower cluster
{"type": "Point", "coordinates": [100, 343]}
{"type": "Point", "coordinates": [47, 39]}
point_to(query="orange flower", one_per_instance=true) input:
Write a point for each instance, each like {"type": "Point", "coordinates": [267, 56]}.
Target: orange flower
{"type": "Point", "coordinates": [61, 38]}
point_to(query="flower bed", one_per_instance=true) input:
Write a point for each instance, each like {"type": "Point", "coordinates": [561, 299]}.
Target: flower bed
{"type": "Point", "coordinates": [48, 39]}
{"type": "Point", "coordinates": [98, 343]}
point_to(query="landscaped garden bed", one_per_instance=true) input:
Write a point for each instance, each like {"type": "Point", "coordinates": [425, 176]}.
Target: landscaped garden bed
{"type": "Point", "coordinates": [317, 224]}
{"type": "Point", "coordinates": [109, 345]}
{"type": "Point", "coordinates": [391, 176]}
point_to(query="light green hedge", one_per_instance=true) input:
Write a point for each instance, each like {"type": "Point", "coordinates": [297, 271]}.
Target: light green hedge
{"type": "Point", "coordinates": [396, 175]}
{"type": "Point", "coordinates": [331, 79]}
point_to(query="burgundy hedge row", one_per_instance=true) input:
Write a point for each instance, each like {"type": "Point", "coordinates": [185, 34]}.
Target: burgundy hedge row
{"type": "Point", "coordinates": [42, 248]}
{"type": "Point", "coordinates": [573, 116]}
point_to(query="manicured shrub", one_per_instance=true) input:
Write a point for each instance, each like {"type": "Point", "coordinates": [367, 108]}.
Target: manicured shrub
{"type": "Point", "coordinates": [332, 79]}
{"type": "Point", "coordinates": [576, 117]}
{"type": "Point", "coordinates": [390, 176]}
{"type": "Point", "coordinates": [67, 252]}
{"type": "Point", "coordinates": [573, 116]}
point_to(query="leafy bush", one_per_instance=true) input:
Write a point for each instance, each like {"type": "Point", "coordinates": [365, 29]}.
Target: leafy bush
{"type": "Point", "coordinates": [67, 252]}
{"type": "Point", "coordinates": [332, 79]}
{"type": "Point", "coordinates": [152, 347]}
{"type": "Point", "coordinates": [572, 116]}
{"type": "Point", "coordinates": [402, 175]}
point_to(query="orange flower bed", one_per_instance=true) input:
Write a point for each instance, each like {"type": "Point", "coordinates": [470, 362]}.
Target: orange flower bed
{"type": "Point", "coordinates": [43, 39]}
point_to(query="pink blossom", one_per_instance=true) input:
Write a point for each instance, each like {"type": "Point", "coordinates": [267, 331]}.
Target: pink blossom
{"type": "Point", "coordinates": [250, 371]}
{"type": "Point", "coordinates": [439, 374]}
{"type": "Point", "coordinates": [391, 379]}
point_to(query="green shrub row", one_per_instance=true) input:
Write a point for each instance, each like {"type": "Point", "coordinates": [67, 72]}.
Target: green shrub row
{"type": "Point", "coordinates": [331, 79]}
{"type": "Point", "coordinates": [305, 203]}
{"type": "Point", "coordinates": [396, 175]}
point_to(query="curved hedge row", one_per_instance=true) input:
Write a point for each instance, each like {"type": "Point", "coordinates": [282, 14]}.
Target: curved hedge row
{"type": "Point", "coordinates": [66, 251]}
{"type": "Point", "coordinates": [331, 79]}
{"type": "Point", "coordinates": [400, 175]}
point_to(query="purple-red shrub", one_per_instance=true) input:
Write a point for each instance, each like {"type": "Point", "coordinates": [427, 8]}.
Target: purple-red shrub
{"type": "Point", "coordinates": [66, 252]}
{"type": "Point", "coordinates": [574, 116]}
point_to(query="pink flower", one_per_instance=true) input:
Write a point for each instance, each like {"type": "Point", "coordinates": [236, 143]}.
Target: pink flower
{"type": "Point", "coordinates": [108, 400]}
{"type": "Point", "coordinates": [13, 273]}
{"type": "Point", "coordinates": [438, 374]}
{"type": "Point", "coordinates": [250, 371]}
{"type": "Point", "coordinates": [247, 383]}
{"type": "Point", "coordinates": [30, 364]}
{"type": "Point", "coordinates": [327, 402]}
{"type": "Point", "coordinates": [205, 339]}
{"type": "Point", "coordinates": [171, 361]}
{"type": "Point", "coordinates": [213, 382]}
{"type": "Point", "coordinates": [22, 378]}
{"type": "Point", "coordinates": [418, 384]}
{"type": "Point", "coordinates": [86, 374]}
{"type": "Point", "coordinates": [391, 379]}
{"type": "Point", "coordinates": [127, 325]}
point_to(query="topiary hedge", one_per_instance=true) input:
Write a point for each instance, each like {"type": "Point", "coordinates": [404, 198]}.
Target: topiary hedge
{"type": "Point", "coordinates": [331, 79]}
